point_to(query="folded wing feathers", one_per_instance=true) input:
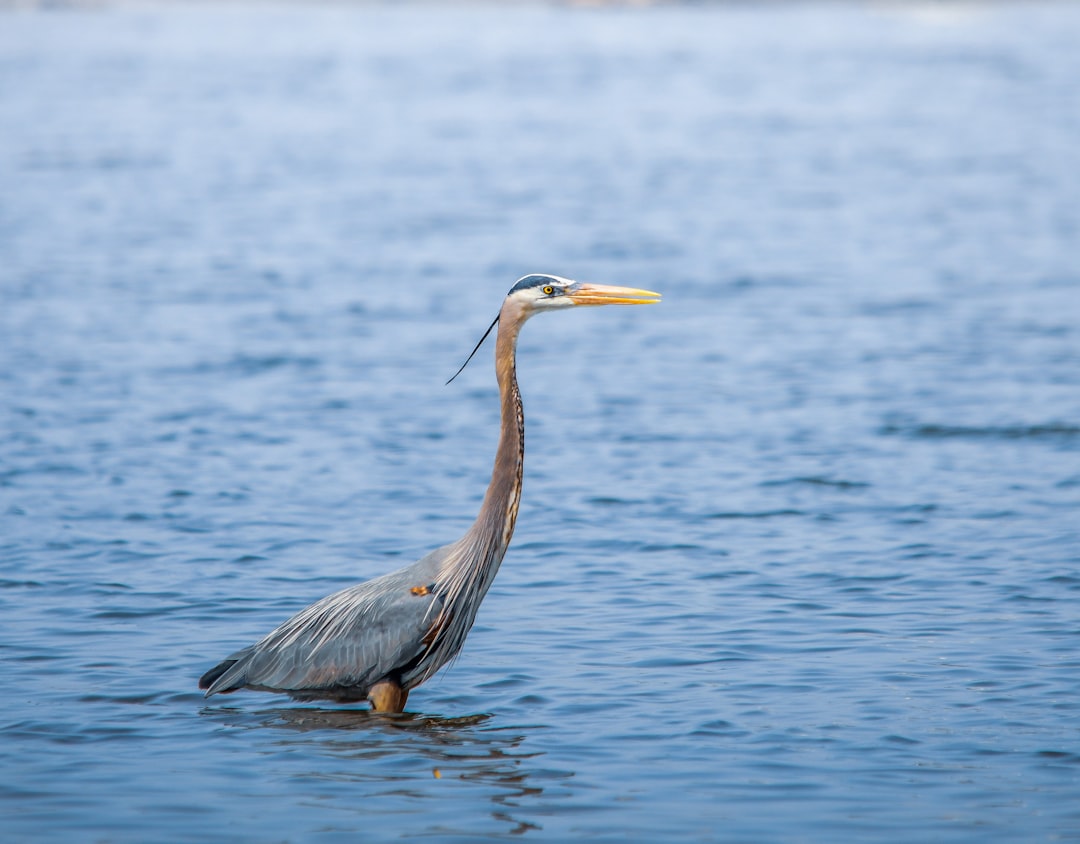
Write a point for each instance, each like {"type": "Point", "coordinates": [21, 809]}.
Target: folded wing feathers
{"type": "Point", "coordinates": [352, 638]}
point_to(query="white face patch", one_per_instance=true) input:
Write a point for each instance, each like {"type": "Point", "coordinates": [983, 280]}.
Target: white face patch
{"type": "Point", "coordinates": [529, 292]}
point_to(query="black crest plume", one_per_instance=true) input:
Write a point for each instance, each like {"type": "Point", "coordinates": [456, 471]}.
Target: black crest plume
{"type": "Point", "coordinates": [475, 349]}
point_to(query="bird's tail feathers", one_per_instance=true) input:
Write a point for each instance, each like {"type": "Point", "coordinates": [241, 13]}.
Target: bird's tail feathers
{"type": "Point", "coordinates": [221, 678]}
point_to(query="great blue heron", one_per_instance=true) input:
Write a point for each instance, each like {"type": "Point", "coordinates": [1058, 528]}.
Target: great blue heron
{"type": "Point", "coordinates": [378, 640]}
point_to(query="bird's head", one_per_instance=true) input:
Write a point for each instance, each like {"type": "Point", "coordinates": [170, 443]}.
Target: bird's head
{"type": "Point", "coordinates": [536, 293]}
{"type": "Point", "coordinates": [533, 294]}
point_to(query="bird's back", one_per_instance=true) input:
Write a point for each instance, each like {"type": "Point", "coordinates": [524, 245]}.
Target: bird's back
{"type": "Point", "coordinates": [340, 646]}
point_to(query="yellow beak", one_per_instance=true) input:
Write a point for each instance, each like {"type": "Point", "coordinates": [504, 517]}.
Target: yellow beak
{"type": "Point", "coordinates": [604, 294]}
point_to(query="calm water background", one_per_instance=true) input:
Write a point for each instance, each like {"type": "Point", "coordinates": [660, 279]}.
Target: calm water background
{"type": "Point", "coordinates": [799, 553]}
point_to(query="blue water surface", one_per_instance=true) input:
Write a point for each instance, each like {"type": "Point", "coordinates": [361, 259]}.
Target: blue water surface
{"type": "Point", "coordinates": [799, 551]}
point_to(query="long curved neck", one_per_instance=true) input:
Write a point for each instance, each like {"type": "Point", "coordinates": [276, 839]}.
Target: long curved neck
{"type": "Point", "coordinates": [494, 526]}
{"type": "Point", "coordinates": [471, 563]}
{"type": "Point", "coordinates": [475, 558]}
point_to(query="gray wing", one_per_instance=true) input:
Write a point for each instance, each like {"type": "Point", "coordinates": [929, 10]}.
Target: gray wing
{"type": "Point", "coordinates": [344, 643]}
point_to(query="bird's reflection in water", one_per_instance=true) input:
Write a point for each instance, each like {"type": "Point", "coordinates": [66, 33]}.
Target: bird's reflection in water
{"type": "Point", "coordinates": [303, 720]}
{"type": "Point", "coordinates": [466, 748]}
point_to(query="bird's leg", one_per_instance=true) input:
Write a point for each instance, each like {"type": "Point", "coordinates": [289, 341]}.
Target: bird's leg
{"type": "Point", "coordinates": [387, 696]}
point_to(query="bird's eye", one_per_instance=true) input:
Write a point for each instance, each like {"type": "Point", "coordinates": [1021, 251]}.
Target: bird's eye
{"type": "Point", "coordinates": [548, 289]}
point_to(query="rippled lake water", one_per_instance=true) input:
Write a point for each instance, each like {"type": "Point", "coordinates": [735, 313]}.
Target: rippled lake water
{"type": "Point", "coordinates": [799, 552]}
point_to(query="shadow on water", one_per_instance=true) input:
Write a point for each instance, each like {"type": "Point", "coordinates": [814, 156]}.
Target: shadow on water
{"type": "Point", "coordinates": [409, 751]}
{"type": "Point", "coordinates": [309, 719]}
